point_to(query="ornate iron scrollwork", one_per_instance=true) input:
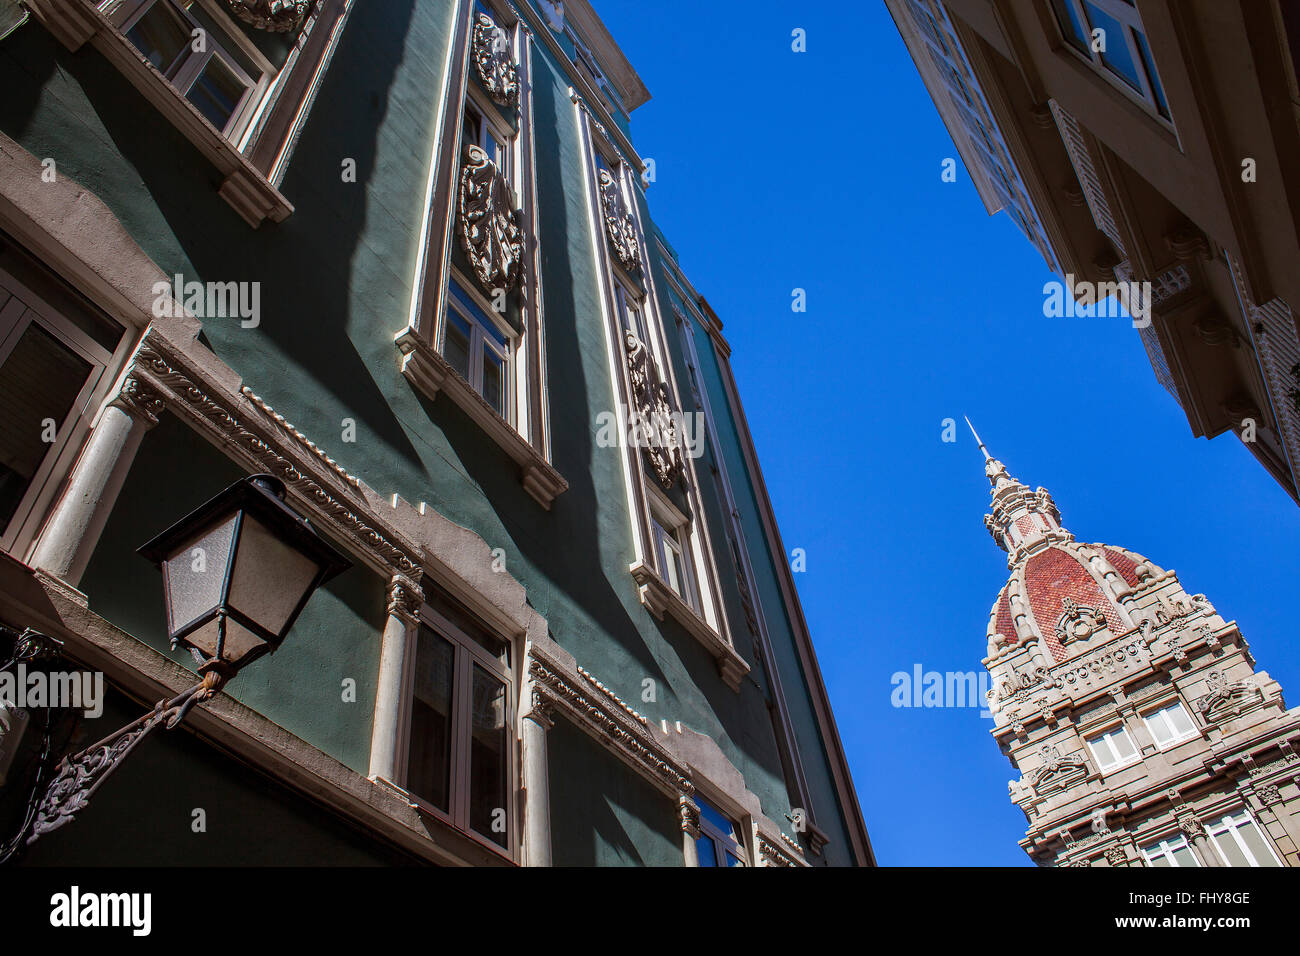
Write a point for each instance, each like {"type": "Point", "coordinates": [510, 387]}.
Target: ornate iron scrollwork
{"type": "Point", "coordinates": [489, 225]}
{"type": "Point", "coordinates": [494, 61]}
{"type": "Point", "coordinates": [278, 16]}
{"type": "Point", "coordinates": [619, 226]}
{"type": "Point", "coordinates": [654, 412]}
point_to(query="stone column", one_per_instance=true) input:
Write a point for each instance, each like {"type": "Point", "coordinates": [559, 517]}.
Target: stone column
{"type": "Point", "coordinates": [1194, 830]}
{"type": "Point", "coordinates": [537, 785]}
{"type": "Point", "coordinates": [404, 602]}
{"type": "Point", "coordinates": [689, 814]}
{"type": "Point", "coordinates": [78, 519]}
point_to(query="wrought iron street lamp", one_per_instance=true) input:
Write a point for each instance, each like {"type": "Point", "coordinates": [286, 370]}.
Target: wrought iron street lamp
{"type": "Point", "coordinates": [237, 572]}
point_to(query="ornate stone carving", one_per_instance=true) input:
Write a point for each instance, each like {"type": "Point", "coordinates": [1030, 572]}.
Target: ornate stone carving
{"type": "Point", "coordinates": [1116, 856]}
{"type": "Point", "coordinates": [1269, 794]}
{"type": "Point", "coordinates": [494, 61]}
{"type": "Point", "coordinates": [405, 598]}
{"type": "Point", "coordinates": [139, 401]}
{"type": "Point", "coordinates": [1078, 623]}
{"type": "Point", "coordinates": [278, 16]}
{"type": "Point", "coordinates": [1189, 824]}
{"type": "Point", "coordinates": [1057, 772]}
{"type": "Point", "coordinates": [654, 411]}
{"type": "Point", "coordinates": [620, 228]}
{"type": "Point", "coordinates": [488, 224]}
{"type": "Point", "coordinates": [1224, 698]}
{"type": "Point", "coordinates": [688, 813]}
{"type": "Point", "coordinates": [772, 855]}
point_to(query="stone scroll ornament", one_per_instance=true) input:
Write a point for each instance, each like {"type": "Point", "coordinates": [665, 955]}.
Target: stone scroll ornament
{"type": "Point", "coordinates": [278, 16]}
{"type": "Point", "coordinates": [619, 226]}
{"type": "Point", "coordinates": [488, 223]}
{"type": "Point", "coordinates": [494, 62]}
{"type": "Point", "coordinates": [653, 411]}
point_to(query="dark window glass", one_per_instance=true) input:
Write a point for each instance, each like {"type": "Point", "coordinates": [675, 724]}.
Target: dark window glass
{"type": "Point", "coordinates": [217, 92]}
{"type": "Point", "coordinates": [455, 345]}
{"type": "Point", "coordinates": [163, 36]}
{"type": "Point", "coordinates": [1116, 56]}
{"type": "Point", "coordinates": [1075, 33]}
{"type": "Point", "coordinates": [40, 380]}
{"type": "Point", "coordinates": [1149, 62]}
{"type": "Point", "coordinates": [706, 851]}
{"type": "Point", "coordinates": [487, 764]}
{"type": "Point", "coordinates": [429, 767]}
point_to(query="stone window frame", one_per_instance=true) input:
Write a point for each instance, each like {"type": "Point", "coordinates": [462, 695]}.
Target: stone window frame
{"type": "Point", "coordinates": [457, 818]}
{"type": "Point", "coordinates": [740, 819]}
{"type": "Point", "coordinates": [527, 441]}
{"type": "Point", "coordinates": [21, 533]}
{"type": "Point", "coordinates": [253, 169]}
{"type": "Point", "coordinates": [1105, 733]}
{"type": "Point", "coordinates": [707, 622]}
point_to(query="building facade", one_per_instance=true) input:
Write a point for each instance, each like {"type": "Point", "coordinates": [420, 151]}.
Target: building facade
{"type": "Point", "coordinates": [399, 256]}
{"type": "Point", "coordinates": [1152, 142]}
{"type": "Point", "coordinates": [1133, 712]}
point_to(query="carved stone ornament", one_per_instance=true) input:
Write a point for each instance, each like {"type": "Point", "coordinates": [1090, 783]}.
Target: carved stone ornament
{"type": "Point", "coordinates": [1224, 698]}
{"type": "Point", "coordinates": [494, 61]}
{"type": "Point", "coordinates": [1057, 772]}
{"type": "Point", "coordinates": [688, 813]}
{"type": "Point", "coordinates": [1189, 824]}
{"type": "Point", "coordinates": [1116, 856]}
{"type": "Point", "coordinates": [139, 401]}
{"type": "Point", "coordinates": [653, 411]}
{"type": "Point", "coordinates": [405, 598]}
{"type": "Point", "coordinates": [278, 16]}
{"type": "Point", "coordinates": [488, 223]}
{"type": "Point", "coordinates": [619, 226]}
{"type": "Point", "coordinates": [1078, 623]}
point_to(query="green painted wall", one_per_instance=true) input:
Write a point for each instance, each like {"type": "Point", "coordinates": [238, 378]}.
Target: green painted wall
{"type": "Point", "coordinates": [335, 287]}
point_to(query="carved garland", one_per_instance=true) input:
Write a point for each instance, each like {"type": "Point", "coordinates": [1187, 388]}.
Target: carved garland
{"type": "Point", "coordinates": [620, 228]}
{"type": "Point", "coordinates": [494, 62]}
{"type": "Point", "coordinates": [654, 412]}
{"type": "Point", "coordinates": [237, 435]}
{"type": "Point", "coordinates": [278, 16]}
{"type": "Point", "coordinates": [488, 223]}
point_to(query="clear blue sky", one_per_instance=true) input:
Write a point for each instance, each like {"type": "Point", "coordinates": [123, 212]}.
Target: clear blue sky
{"type": "Point", "coordinates": [821, 170]}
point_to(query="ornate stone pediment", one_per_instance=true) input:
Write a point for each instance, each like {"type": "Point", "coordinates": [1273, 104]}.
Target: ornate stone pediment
{"type": "Point", "coordinates": [488, 224]}
{"type": "Point", "coordinates": [1078, 623]}
{"type": "Point", "coordinates": [494, 61]}
{"type": "Point", "coordinates": [619, 226]}
{"type": "Point", "coordinates": [278, 16]}
{"type": "Point", "coordinates": [1224, 699]}
{"type": "Point", "coordinates": [653, 411]}
{"type": "Point", "coordinates": [1057, 772]}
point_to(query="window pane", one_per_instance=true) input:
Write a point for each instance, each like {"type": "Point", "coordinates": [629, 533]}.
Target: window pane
{"type": "Point", "coordinates": [1184, 856]}
{"type": "Point", "coordinates": [1071, 28]}
{"type": "Point", "coordinates": [1116, 56]}
{"type": "Point", "coordinates": [455, 344]}
{"type": "Point", "coordinates": [1257, 843]}
{"type": "Point", "coordinates": [1181, 722]}
{"type": "Point", "coordinates": [706, 851]}
{"type": "Point", "coordinates": [429, 767]}
{"type": "Point", "coordinates": [1149, 62]}
{"type": "Point", "coordinates": [40, 380]}
{"type": "Point", "coordinates": [672, 568]}
{"type": "Point", "coordinates": [1158, 858]}
{"type": "Point", "coordinates": [1123, 746]}
{"type": "Point", "coordinates": [162, 35]}
{"type": "Point", "coordinates": [494, 381]}
{"type": "Point", "coordinates": [487, 762]}
{"type": "Point", "coordinates": [1159, 727]}
{"type": "Point", "coordinates": [1229, 849]}
{"type": "Point", "coordinates": [217, 93]}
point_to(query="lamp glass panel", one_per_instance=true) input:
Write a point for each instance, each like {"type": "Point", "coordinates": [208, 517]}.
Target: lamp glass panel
{"type": "Point", "coordinates": [196, 573]}
{"type": "Point", "coordinates": [270, 576]}
{"type": "Point", "coordinates": [240, 641]}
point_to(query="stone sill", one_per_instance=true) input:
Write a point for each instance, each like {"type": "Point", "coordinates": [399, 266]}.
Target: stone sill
{"type": "Point", "coordinates": [430, 373]}
{"type": "Point", "coordinates": [658, 597]}
{"type": "Point", "coordinates": [243, 186]}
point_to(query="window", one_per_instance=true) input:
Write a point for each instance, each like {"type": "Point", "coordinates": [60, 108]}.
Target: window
{"type": "Point", "coordinates": [474, 345]}
{"type": "Point", "coordinates": [1240, 841]}
{"type": "Point", "coordinates": [461, 715]}
{"type": "Point", "coordinates": [199, 56]}
{"type": "Point", "coordinates": [719, 843]}
{"type": "Point", "coordinates": [1109, 34]}
{"type": "Point", "coordinates": [586, 61]}
{"type": "Point", "coordinates": [672, 561]}
{"type": "Point", "coordinates": [1171, 851]}
{"type": "Point", "coordinates": [51, 363]}
{"type": "Point", "coordinates": [484, 133]}
{"type": "Point", "coordinates": [1113, 749]}
{"type": "Point", "coordinates": [1170, 725]}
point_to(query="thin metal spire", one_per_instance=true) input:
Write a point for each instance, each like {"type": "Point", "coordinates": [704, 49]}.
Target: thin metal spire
{"type": "Point", "coordinates": [987, 456]}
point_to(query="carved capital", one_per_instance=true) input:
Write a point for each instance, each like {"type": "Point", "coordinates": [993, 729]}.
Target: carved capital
{"type": "Point", "coordinates": [688, 816]}
{"type": "Point", "coordinates": [139, 400]}
{"type": "Point", "coordinates": [405, 598]}
{"type": "Point", "coordinates": [1189, 824]}
{"type": "Point", "coordinates": [488, 224]}
{"type": "Point", "coordinates": [278, 16]}
{"type": "Point", "coordinates": [494, 61]}
{"type": "Point", "coordinates": [541, 711]}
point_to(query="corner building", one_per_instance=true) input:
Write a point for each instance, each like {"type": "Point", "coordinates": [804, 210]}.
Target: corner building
{"type": "Point", "coordinates": [399, 256]}
{"type": "Point", "coordinates": [1142, 733]}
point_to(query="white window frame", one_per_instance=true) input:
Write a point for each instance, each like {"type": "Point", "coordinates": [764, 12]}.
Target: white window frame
{"type": "Point", "coordinates": [1113, 761]}
{"type": "Point", "coordinates": [1164, 849]}
{"type": "Point", "coordinates": [126, 13]}
{"type": "Point", "coordinates": [725, 844]}
{"type": "Point", "coordinates": [1159, 717]}
{"type": "Point", "coordinates": [481, 340]}
{"type": "Point", "coordinates": [1127, 16]}
{"type": "Point", "coordinates": [468, 652]}
{"type": "Point", "coordinates": [22, 309]}
{"type": "Point", "coordinates": [1227, 827]}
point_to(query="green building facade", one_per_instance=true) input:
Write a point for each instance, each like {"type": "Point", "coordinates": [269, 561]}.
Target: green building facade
{"type": "Point", "coordinates": [398, 255]}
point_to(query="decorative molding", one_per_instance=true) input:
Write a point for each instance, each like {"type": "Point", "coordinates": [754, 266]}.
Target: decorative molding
{"type": "Point", "coordinates": [405, 598]}
{"type": "Point", "coordinates": [1225, 699]}
{"type": "Point", "coordinates": [138, 400]}
{"type": "Point", "coordinates": [1057, 773]}
{"type": "Point", "coordinates": [654, 410]}
{"type": "Point", "coordinates": [488, 223]}
{"type": "Point", "coordinates": [618, 701]}
{"type": "Point", "coordinates": [688, 813]}
{"type": "Point", "coordinates": [277, 16]}
{"type": "Point", "coordinates": [1189, 823]}
{"type": "Point", "coordinates": [770, 854]}
{"type": "Point", "coordinates": [620, 228]}
{"type": "Point", "coordinates": [300, 438]}
{"type": "Point", "coordinates": [493, 61]}
{"type": "Point", "coordinates": [1078, 623]}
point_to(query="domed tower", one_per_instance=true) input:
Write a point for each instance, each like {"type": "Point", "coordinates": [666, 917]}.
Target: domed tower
{"type": "Point", "coordinates": [1132, 711]}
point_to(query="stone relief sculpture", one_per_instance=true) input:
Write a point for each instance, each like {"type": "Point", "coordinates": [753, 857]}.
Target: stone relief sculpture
{"type": "Point", "coordinates": [488, 224]}
{"type": "Point", "coordinates": [278, 16]}
{"type": "Point", "coordinates": [494, 61]}
{"type": "Point", "coordinates": [654, 412]}
{"type": "Point", "coordinates": [619, 226]}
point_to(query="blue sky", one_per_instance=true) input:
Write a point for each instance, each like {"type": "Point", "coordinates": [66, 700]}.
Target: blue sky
{"type": "Point", "coordinates": [821, 170]}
